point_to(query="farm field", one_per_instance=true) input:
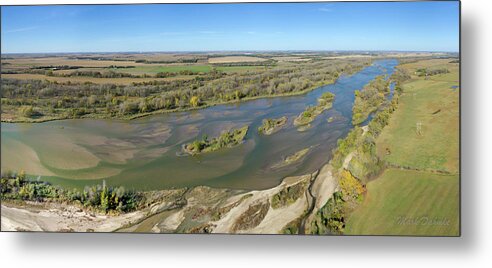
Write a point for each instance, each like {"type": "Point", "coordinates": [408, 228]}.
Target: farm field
{"type": "Point", "coordinates": [231, 59]}
{"type": "Point", "coordinates": [423, 138]}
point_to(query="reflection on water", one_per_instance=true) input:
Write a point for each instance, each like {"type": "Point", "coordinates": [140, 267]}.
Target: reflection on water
{"type": "Point", "coordinates": [144, 153]}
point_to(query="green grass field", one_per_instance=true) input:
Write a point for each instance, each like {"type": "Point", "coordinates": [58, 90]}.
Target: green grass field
{"type": "Point", "coordinates": [422, 134]}
{"type": "Point", "coordinates": [407, 202]}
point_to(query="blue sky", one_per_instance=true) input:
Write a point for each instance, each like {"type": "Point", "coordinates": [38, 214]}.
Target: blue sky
{"type": "Point", "coordinates": [412, 26]}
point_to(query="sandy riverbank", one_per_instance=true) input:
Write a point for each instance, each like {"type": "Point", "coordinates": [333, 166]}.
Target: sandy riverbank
{"type": "Point", "coordinates": [201, 209]}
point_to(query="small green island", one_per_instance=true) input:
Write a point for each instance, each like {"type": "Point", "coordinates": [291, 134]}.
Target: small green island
{"type": "Point", "coordinates": [270, 126]}
{"type": "Point", "coordinates": [369, 99]}
{"type": "Point", "coordinates": [227, 139]}
{"type": "Point", "coordinates": [325, 102]}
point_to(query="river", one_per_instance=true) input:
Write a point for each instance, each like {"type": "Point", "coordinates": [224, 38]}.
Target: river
{"type": "Point", "coordinates": [145, 154]}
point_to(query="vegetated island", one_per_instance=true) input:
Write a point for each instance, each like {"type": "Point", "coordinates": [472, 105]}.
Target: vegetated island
{"type": "Point", "coordinates": [325, 102]}
{"type": "Point", "coordinates": [292, 158]}
{"type": "Point", "coordinates": [369, 99]}
{"type": "Point", "coordinates": [270, 126]}
{"type": "Point", "coordinates": [229, 139]}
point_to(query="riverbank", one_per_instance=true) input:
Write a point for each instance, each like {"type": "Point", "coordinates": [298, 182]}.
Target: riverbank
{"type": "Point", "coordinates": [197, 210]}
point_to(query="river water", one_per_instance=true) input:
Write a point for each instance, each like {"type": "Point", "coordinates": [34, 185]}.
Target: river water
{"type": "Point", "coordinates": [145, 153]}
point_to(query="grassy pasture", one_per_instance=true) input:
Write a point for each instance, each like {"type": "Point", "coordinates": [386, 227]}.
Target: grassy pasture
{"type": "Point", "coordinates": [402, 202]}
{"type": "Point", "coordinates": [423, 133]}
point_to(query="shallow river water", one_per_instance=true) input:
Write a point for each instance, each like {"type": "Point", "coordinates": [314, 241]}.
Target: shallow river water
{"type": "Point", "coordinates": [145, 153]}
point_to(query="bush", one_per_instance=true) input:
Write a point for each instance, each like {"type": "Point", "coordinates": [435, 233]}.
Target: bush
{"type": "Point", "coordinates": [28, 111]}
{"type": "Point", "coordinates": [98, 197]}
{"type": "Point", "coordinates": [330, 219]}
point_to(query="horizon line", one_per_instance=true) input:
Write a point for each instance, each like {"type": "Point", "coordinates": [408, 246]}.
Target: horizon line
{"type": "Point", "coordinates": [235, 51]}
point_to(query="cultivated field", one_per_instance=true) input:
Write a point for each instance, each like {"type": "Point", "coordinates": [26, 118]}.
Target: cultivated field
{"type": "Point", "coordinates": [231, 59]}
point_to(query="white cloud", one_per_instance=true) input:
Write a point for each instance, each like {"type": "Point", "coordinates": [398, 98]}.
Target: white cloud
{"type": "Point", "coordinates": [25, 29]}
{"type": "Point", "coordinates": [326, 8]}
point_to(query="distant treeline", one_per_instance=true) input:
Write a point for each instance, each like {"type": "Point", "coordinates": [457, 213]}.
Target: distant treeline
{"type": "Point", "coordinates": [180, 60]}
{"type": "Point", "coordinates": [98, 58]}
{"type": "Point", "coordinates": [247, 63]}
{"type": "Point", "coordinates": [431, 72]}
{"type": "Point", "coordinates": [98, 74]}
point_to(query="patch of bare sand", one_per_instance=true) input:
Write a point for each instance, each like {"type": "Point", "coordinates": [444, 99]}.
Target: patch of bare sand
{"type": "Point", "coordinates": [274, 220]}
{"type": "Point", "coordinates": [172, 222]}
{"type": "Point", "coordinates": [59, 217]}
{"type": "Point", "coordinates": [91, 174]}
{"type": "Point", "coordinates": [111, 150]}
{"type": "Point", "coordinates": [61, 152]}
{"type": "Point", "coordinates": [17, 156]}
{"type": "Point", "coordinates": [324, 186]}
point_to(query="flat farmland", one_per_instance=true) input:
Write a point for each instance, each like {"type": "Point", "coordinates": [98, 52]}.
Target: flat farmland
{"type": "Point", "coordinates": [232, 59]}
{"type": "Point", "coordinates": [59, 61]}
